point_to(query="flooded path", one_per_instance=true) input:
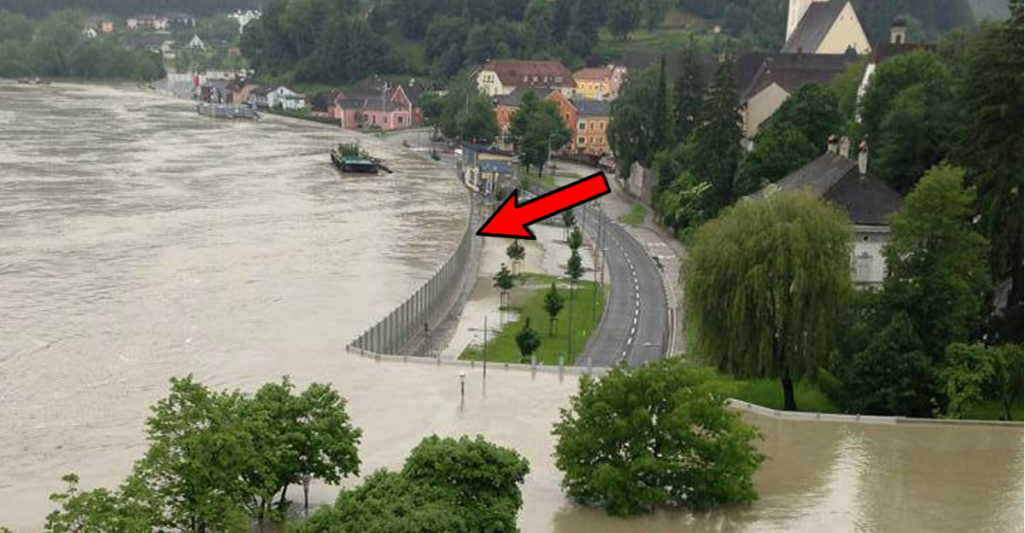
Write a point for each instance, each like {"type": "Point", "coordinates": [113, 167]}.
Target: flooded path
{"type": "Point", "coordinates": [139, 241]}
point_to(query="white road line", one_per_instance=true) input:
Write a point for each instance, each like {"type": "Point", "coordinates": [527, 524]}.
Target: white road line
{"type": "Point", "coordinates": [632, 331]}
{"type": "Point", "coordinates": [636, 311]}
{"type": "Point", "coordinates": [630, 340]}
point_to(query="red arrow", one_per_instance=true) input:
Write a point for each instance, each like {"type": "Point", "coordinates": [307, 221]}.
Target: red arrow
{"type": "Point", "coordinates": [512, 218]}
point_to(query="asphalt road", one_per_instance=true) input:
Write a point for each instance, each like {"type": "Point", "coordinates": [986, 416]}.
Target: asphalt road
{"type": "Point", "coordinates": [635, 327]}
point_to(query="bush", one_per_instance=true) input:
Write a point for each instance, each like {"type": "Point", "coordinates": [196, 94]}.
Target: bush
{"type": "Point", "coordinates": [655, 436]}
{"type": "Point", "coordinates": [456, 486]}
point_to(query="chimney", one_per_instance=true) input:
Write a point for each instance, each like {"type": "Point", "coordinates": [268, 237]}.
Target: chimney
{"type": "Point", "coordinates": [845, 146]}
{"type": "Point", "coordinates": [898, 31]}
{"type": "Point", "coordinates": [831, 146]}
{"type": "Point", "coordinates": [863, 158]}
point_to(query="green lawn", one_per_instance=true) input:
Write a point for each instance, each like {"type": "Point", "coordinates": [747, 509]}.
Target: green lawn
{"type": "Point", "coordinates": [769, 393]}
{"type": "Point", "coordinates": [502, 348]}
{"type": "Point", "coordinates": [526, 178]}
{"type": "Point", "coordinates": [636, 215]}
{"type": "Point", "coordinates": [993, 410]}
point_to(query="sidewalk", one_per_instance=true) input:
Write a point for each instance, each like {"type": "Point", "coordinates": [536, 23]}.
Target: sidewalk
{"type": "Point", "coordinates": [547, 255]}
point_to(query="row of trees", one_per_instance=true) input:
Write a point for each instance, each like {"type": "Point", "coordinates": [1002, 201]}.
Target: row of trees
{"type": "Point", "coordinates": [218, 461]}
{"type": "Point", "coordinates": [56, 47]}
{"type": "Point", "coordinates": [317, 41]}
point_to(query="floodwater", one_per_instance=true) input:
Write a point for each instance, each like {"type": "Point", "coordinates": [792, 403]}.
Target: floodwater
{"type": "Point", "coordinates": [139, 241]}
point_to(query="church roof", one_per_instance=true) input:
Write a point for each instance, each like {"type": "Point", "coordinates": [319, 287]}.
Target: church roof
{"type": "Point", "coordinates": [814, 26]}
{"type": "Point", "coordinates": [867, 200]}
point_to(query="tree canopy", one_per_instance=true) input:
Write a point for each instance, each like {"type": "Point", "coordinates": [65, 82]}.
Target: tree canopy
{"type": "Point", "coordinates": [765, 285]}
{"type": "Point", "coordinates": [652, 437]}
{"type": "Point", "coordinates": [460, 486]}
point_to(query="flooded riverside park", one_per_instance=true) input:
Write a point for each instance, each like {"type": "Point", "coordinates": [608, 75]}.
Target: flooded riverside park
{"type": "Point", "coordinates": [141, 241]}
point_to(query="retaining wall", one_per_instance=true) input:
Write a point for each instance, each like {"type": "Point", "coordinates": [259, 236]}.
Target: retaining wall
{"type": "Point", "coordinates": [407, 329]}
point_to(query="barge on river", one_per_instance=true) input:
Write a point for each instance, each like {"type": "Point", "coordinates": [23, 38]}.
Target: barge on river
{"type": "Point", "coordinates": [351, 159]}
{"type": "Point", "coordinates": [228, 111]}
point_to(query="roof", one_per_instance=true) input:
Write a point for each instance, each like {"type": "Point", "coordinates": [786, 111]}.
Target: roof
{"type": "Point", "coordinates": [885, 50]}
{"type": "Point", "coordinates": [323, 101]}
{"type": "Point", "coordinates": [867, 200]}
{"type": "Point", "coordinates": [593, 74]}
{"type": "Point", "coordinates": [515, 72]}
{"type": "Point", "coordinates": [748, 64]}
{"type": "Point", "coordinates": [515, 98]}
{"type": "Point", "coordinates": [791, 71]}
{"type": "Point", "coordinates": [494, 165]}
{"type": "Point", "coordinates": [814, 26]}
{"type": "Point", "coordinates": [590, 108]}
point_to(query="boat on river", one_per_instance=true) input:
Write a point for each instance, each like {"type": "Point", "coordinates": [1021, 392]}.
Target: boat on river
{"type": "Point", "coordinates": [228, 111]}
{"type": "Point", "coordinates": [349, 158]}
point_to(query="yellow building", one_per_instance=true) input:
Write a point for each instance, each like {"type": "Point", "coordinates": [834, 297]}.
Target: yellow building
{"type": "Point", "coordinates": [590, 136]}
{"type": "Point", "coordinates": [599, 83]}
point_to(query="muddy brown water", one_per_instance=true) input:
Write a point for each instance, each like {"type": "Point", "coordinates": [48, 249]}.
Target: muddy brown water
{"type": "Point", "coordinates": [139, 241]}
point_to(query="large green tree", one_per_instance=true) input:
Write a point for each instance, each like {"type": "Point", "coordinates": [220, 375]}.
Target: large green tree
{"type": "Point", "coordinates": [633, 117]}
{"type": "Point", "coordinates": [936, 261]}
{"type": "Point", "coordinates": [765, 285]}
{"type": "Point", "coordinates": [623, 18]}
{"type": "Point", "coordinates": [688, 90]}
{"type": "Point", "coordinates": [905, 113]}
{"type": "Point", "coordinates": [459, 486]}
{"type": "Point", "coordinates": [989, 144]}
{"type": "Point", "coordinates": [713, 150]}
{"type": "Point", "coordinates": [652, 437]}
{"type": "Point", "coordinates": [535, 128]}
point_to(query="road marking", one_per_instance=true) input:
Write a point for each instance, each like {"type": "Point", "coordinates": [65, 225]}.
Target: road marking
{"type": "Point", "coordinates": [630, 340]}
{"type": "Point", "coordinates": [632, 331]}
{"type": "Point", "coordinates": [637, 310]}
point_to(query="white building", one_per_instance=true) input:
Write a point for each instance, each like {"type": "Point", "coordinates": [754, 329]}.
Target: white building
{"type": "Point", "coordinates": [868, 202]}
{"type": "Point", "coordinates": [500, 77]}
{"type": "Point", "coordinates": [196, 43]}
{"type": "Point", "coordinates": [286, 99]}
{"type": "Point", "coordinates": [824, 27]}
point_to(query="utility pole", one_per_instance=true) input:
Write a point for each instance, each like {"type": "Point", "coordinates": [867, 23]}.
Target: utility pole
{"type": "Point", "coordinates": [484, 350]}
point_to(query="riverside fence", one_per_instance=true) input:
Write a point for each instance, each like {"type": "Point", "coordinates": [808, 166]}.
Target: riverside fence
{"type": "Point", "coordinates": [410, 324]}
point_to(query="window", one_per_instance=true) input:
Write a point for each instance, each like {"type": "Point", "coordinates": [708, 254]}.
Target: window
{"type": "Point", "coordinates": [863, 269]}
{"type": "Point", "coordinates": [581, 126]}
{"type": "Point", "coordinates": [399, 119]}
{"type": "Point", "coordinates": [581, 140]}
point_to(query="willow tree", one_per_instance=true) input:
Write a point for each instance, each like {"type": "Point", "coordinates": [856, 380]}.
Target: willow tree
{"type": "Point", "coordinates": [764, 286]}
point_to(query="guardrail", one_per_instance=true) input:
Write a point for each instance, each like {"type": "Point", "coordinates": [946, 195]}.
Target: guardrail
{"type": "Point", "coordinates": [428, 306]}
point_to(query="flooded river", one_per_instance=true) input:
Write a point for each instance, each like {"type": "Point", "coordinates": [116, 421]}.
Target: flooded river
{"type": "Point", "coordinates": [139, 241]}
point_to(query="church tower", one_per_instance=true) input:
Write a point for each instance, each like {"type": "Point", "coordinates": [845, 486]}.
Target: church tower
{"type": "Point", "coordinates": [796, 12]}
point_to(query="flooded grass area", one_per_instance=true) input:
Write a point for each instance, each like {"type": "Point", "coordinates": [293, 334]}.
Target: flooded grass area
{"type": "Point", "coordinates": [528, 302]}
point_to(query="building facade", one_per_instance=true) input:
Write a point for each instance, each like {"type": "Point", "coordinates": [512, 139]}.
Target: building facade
{"type": "Point", "coordinates": [499, 77]}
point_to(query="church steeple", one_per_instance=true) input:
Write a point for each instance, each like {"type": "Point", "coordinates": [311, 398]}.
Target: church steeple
{"type": "Point", "coordinates": [796, 12]}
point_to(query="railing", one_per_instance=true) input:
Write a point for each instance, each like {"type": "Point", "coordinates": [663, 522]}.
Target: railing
{"type": "Point", "coordinates": [422, 312]}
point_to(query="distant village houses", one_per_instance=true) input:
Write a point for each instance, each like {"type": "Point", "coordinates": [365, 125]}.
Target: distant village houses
{"type": "Point", "coordinates": [499, 77]}
{"type": "Point", "coordinates": [148, 22]}
{"type": "Point", "coordinates": [599, 83]}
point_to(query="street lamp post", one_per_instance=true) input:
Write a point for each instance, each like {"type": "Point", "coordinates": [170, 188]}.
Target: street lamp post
{"type": "Point", "coordinates": [462, 387]}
